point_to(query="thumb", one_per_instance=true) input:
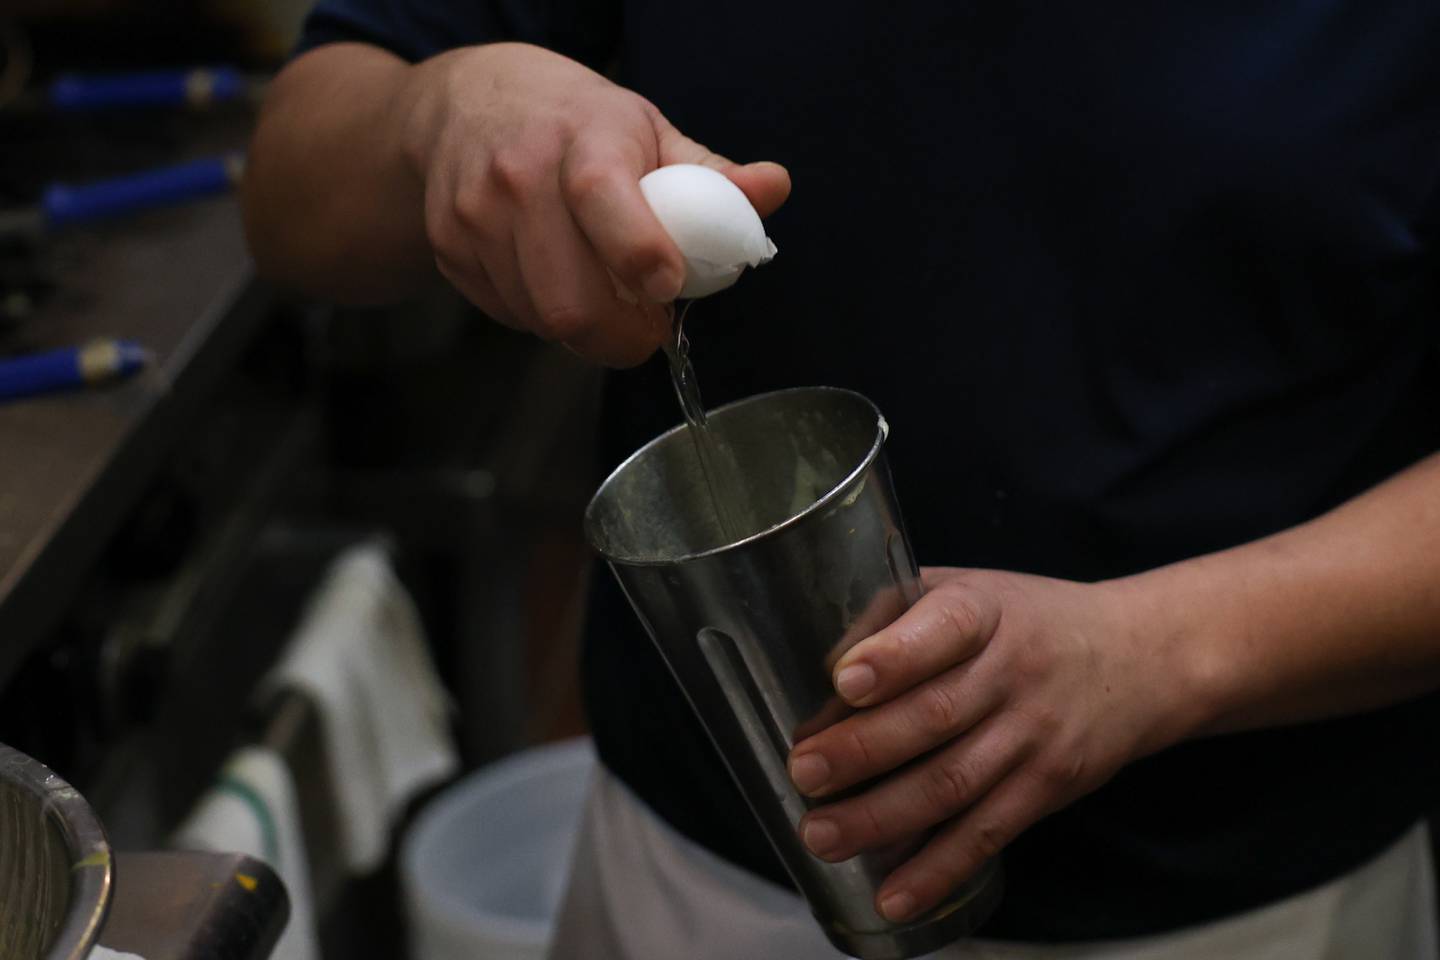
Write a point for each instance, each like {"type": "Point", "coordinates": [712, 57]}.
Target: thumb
{"type": "Point", "coordinates": [766, 185]}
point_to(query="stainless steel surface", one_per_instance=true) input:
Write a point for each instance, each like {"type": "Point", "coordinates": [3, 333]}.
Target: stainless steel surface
{"type": "Point", "coordinates": [178, 281]}
{"type": "Point", "coordinates": [750, 629]}
{"type": "Point", "coordinates": [55, 870]}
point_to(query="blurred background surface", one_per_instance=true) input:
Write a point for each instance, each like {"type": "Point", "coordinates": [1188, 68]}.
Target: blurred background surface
{"type": "Point", "coordinates": [168, 536]}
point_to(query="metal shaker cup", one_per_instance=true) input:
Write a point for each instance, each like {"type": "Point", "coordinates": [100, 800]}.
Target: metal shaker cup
{"type": "Point", "coordinates": [751, 625]}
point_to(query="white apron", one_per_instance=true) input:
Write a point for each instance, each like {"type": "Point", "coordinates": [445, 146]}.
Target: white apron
{"type": "Point", "coordinates": [640, 891]}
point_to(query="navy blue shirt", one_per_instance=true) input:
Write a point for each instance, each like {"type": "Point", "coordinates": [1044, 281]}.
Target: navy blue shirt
{"type": "Point", "coordinates": [1131, 282]}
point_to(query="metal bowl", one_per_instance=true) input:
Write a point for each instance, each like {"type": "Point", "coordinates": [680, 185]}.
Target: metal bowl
{"type": "Point", "coordinates": [55, 865]}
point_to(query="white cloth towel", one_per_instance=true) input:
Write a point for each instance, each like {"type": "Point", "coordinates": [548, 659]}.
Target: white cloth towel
{"type": "Point", "coordinates": [360, 654]}
{"type": "Point", "coordinates": [252, 809]}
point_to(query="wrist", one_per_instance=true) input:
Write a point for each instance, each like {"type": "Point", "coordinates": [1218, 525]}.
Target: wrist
{"type": "Point", "coordinates": [419, 107]}
{"type": "Point", "coordinates": [1175, 634]}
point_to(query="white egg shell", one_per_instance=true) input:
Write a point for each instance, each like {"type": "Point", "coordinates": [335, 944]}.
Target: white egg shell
{"type": "Point", "coordinates": [711, 222]}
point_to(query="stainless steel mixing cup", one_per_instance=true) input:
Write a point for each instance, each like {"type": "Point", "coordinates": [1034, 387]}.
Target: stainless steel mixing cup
{"type": "Point", "coordinates": [751, 625]}
{"type": "Point", "coordinates": [55, 869]}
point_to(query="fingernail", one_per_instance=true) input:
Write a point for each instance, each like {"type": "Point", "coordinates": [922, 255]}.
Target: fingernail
{"type": "Point", "coordinates": [821, 836]}
{"type": "Point", "coordinates": [897, 906]}
{"type": "Point", "coordinates": [809, 771]}
{"type": "Point", "coordinates": [663, 285]}
{"type": "Point", "coordinates": [855, 681]}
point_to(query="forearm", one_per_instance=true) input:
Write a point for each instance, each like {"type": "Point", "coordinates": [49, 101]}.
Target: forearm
{"type": "Point", "coordinates": [1335, 616]}
{"type": "Point", "coordinates": [332, 203]}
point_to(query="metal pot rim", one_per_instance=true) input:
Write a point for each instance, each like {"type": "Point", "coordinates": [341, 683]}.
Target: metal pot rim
{"type": "Point", "coordinates": [882, 431]}
{"type": "Point", "coordinates": [91, 870]}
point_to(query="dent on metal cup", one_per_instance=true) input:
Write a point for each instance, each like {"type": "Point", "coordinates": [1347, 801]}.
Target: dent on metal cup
{"type": "Point", "coordinates": [751, 626]}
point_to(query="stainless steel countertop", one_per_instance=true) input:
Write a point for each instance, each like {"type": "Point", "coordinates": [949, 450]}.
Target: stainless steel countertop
{"type": "Point", "coordinates": [72, 464]}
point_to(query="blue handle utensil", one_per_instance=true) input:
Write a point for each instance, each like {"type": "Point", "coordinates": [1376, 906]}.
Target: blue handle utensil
{"type": "Point", "coordinates": [63, 204]}
{"type": "Point", "coordinates": [69, 368]}
{"type": "Point", "coordinates": [200, 87]}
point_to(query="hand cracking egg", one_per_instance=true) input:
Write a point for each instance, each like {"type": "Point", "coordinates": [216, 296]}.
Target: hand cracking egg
{"type": "Point", "coordinates": [711, 221]}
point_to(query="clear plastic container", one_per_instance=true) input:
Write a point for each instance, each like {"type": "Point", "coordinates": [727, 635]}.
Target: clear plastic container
{"type": "Point", "coordinates": [484, 867]}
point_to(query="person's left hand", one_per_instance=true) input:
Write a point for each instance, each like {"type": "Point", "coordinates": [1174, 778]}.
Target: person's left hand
{"type": "Point", "coordinates": [1017, 694]}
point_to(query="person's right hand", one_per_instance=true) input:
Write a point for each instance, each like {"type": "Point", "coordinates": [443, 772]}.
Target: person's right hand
{"type": "Point", "coordinates": [531, 166]}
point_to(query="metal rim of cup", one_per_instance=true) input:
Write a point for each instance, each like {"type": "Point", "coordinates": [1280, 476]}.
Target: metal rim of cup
{"type": "Point", "coordinates": [882, 431]}
{"type": "Point", "coordinates": [91, 871]}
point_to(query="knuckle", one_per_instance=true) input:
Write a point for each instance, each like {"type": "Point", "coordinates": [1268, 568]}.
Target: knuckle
{"type": "Point", "coordinates": [470, 206]}
{"type": "Point", "coordinates": [938, 711]}
{"type": "Point", "coordinates": [948, 785]}
{"type": "Point", "coordinates": [641, 258]}
{"type": "Point", "coordinates": [515, 173]}
{"type": "Point", "coordinates": [584, 181]}
{"type": "Point", "coordinates": [872, 826]}
{"type": "Point", "coordinates": [1063, 774]}
{"type": "Point", "coordinates": [961, 615]}
{"type": "Point", "coordinates": [1047, 721]}
{"type": "Point", "coordinates": [990, 838]}
{"type": "Point", "coordinates": [901, 643]}
{"type": "Point", "coordinates": [647, 108]}
{"type": "Point", "coordinates": [855, 748]}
